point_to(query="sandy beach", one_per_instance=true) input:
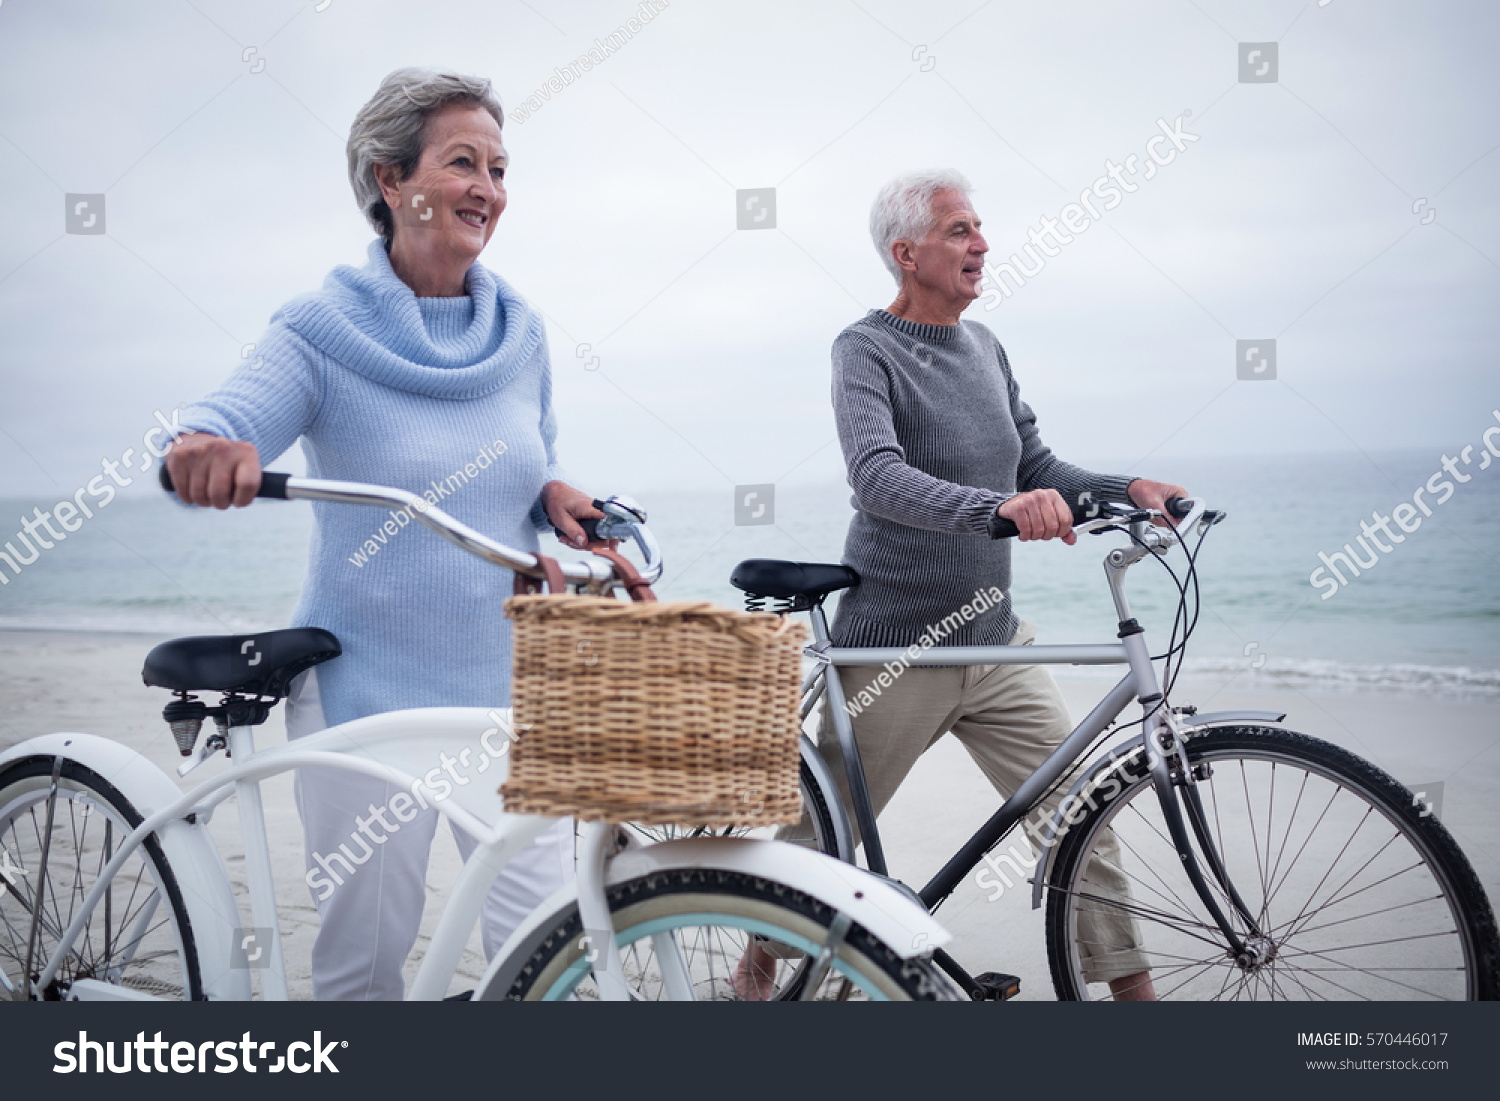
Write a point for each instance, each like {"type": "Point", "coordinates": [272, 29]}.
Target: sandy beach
{"type": "Point", "coordinates": [55, 681]}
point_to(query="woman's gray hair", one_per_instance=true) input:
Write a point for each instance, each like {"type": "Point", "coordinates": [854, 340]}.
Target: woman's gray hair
{"type": "Point", "coordinates": [392, 129]}
{"type": "Point", "coordinates": [903, 209]}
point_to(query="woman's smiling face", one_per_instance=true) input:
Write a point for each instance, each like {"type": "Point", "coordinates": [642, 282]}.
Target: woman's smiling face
{"type": "Point", "coordinates": [446, 209]}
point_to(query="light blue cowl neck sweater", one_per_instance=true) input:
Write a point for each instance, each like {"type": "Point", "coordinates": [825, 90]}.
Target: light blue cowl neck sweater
{"type": "Point", "coordinates": [449, 397]}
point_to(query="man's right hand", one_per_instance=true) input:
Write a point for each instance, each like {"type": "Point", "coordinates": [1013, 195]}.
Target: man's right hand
{"type": "Point", "coordinates": [210, 471]}
{"type": "Point", "coordinates": [1040, 514]}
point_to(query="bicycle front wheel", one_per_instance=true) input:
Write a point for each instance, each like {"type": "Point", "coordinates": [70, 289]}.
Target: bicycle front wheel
{"type": "Point", "coordinates": [691, 927]}
{"type": "Point", "coordinates": [1356, 892]}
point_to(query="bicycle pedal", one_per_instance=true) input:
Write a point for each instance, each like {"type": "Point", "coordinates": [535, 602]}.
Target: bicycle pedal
{"type": "Point", "coordinates": [997, 987]}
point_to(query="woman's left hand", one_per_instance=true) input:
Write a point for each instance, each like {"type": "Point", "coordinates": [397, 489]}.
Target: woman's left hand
{"type": "Point", "coordinates": [565, 506]}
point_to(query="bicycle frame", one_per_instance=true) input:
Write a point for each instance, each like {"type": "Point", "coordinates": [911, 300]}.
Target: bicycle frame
{"type": "Point", "coordinates": [1161, 737]}
{"type": "Point", "coordinates": [462, 750]}
{"type": "Point", "coordinates": [404, 748]}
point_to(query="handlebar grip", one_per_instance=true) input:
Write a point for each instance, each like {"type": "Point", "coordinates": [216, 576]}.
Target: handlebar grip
{"type": "Point", "coordinates": [1001, 528]}
{"type": "Point", "coordinates": [272, 484]}
{"type": "Point", "coordinates": [1178, 507]}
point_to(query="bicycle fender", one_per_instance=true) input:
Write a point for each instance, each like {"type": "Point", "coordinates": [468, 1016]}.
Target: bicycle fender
{"type": "Point", "coordinates": [1089, 780]}
{"type": "Point", "coordinates": [189, 850]}
{"type": "Point", "coordinates": [887, 912]}
{"type": "Point", "coordinates": [843, 833]}
{"type": "Point", "coordinates": [1219, 718]}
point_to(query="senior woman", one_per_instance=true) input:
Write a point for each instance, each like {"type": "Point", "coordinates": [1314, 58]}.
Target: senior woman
{"type": "Point", "coordinates": [424, 370]}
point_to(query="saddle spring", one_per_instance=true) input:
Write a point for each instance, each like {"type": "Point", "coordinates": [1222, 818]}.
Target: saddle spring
{"type": "Point", "coordinates": [780, 605]}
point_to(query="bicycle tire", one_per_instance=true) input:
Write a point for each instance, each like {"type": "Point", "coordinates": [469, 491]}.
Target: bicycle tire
{"type": "Point", "coordinates": [1426, 961]}
{"type": "Point", "coordinates": [24, 787]}
{"type": "Point", "coordinates": [744, 905]}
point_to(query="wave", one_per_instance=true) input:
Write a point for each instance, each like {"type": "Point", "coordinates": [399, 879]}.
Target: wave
{"type": "Point", "coordinates": [85, 621]}
{"type": "Point", "coordinates": [1324, 674]}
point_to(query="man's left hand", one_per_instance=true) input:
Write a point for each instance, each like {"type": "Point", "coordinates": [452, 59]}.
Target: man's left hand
{"type": "Point", "coordinates": [1148, 494]}
{"type": "Point", "coordinates": [565, 507]}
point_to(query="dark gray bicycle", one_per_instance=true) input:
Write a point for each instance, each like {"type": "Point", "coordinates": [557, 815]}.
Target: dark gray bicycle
{"type": "Point", "coordinates": [1245, 861]}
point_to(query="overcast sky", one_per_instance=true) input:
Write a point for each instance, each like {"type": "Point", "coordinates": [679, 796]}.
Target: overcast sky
{"type": "Point", "coordinates": [1303, 213]}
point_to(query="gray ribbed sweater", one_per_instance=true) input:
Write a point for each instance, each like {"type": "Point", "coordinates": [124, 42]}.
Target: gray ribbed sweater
{"type": "Point", "coordinates": [935, 437]}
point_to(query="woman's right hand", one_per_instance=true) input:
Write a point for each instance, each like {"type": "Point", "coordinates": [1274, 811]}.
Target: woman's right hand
{"type": "Point", "coordinates": [211, 471]}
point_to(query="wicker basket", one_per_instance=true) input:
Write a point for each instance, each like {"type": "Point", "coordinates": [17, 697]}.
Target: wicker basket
{"type": "Point", "coordinates": [679, 713]}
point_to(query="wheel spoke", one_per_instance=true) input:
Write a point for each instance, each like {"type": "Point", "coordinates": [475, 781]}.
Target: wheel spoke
{"type": "Point", "coordinates": [1254, 837]}
{"type": "Point", "coordinates": [1281, 849]}
{"type": "Point", "coordinates": [1314, 828]}
{"type": "Point", "coordinates": [1197, 974]}
{"type": "Point", "coordinates": [1368, 913]}
{"type": "Point", "coordinates": [135, 944]}
{"type": "Point", "coordinates": [1333, 895]}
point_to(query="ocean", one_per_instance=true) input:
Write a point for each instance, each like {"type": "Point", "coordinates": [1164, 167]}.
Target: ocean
{"type": "Point", "coordinates": [1423, 618]}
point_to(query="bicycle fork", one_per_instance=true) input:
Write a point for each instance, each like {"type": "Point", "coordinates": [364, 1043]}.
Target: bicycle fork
{"type": "Point", "coordinates": [600, 841]}
{"type": "Point", "coordinates": [1164, 745]}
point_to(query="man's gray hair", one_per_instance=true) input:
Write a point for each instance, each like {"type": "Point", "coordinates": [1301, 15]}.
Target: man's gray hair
{"type": "Point", "coordinates": [392, 129]}
{"type": "Point", "coordinates": [903, 209]}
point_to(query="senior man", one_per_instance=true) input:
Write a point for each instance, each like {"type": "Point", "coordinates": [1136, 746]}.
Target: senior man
{"type": "Point", "coordinates": [937, 440]}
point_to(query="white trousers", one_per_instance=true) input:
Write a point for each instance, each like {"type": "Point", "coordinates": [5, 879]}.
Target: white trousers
{"type": "Point", "coordinates": [370, 895]}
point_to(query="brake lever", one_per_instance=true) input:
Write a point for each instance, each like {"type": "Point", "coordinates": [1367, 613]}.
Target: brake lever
{"type": "Point", "coordinates": [619, 512]}
{"type": "Point", "coordinates": [1097, 527]}
{"type": "Point", "coordinates": [1211, 517]}
{"type": "Point", "coordinates": [1190, 521]}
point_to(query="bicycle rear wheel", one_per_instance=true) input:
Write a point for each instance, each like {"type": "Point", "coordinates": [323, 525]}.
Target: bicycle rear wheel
{"type": "Point", "coordinates": [138, 937]}
{"type": "Point", "coordinates": [1355, 891]}
{"type": "Point", "coordinates": [703, 918]}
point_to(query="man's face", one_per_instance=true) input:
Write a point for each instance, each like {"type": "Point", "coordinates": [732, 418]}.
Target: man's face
{"type": "Point", "coordinates": [950, 259]}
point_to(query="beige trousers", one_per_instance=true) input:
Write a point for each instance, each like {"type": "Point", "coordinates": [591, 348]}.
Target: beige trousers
{"type": "Point", "coordinates": [1009, 719]}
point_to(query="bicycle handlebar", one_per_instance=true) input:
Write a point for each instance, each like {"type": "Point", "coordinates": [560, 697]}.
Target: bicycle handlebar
{"type": "Point", "coordinates": [592, 571]}
{"type": "Point", "coordinates": [1084, 511]}
{"type": "Point", "coordinates": [272, 484]}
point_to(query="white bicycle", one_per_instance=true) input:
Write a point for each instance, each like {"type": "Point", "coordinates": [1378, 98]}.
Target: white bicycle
{"type": "Point", "coordinates": [111, 888]}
